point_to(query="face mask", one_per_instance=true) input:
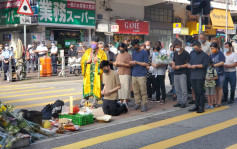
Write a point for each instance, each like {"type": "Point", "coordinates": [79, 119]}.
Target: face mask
{"type": "Point", "coordinates": [122, 51]}
{"type": "Point", "coordinates": [227, 49]}
{"type": "Point", "coordinates": [105, 71]}
{"type": "Point", "coordinates": [202, 40]}
{"type": "Point", "coordinates": [178, 49]}
{"type": "Point", "coordinates": [80, 45]}
{"type": "Point", "coordinates": [148, 47]}
{"type": "Point", "coordinates": [93, 46]}
{"type": "Point", "coordinates": [214, 51]}
{"type": "Point", "coordinates": [7, 48]}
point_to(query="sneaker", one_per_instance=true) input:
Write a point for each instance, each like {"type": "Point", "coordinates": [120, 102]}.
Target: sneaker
{"type": "Point", "coordinates": [211, 107]}
{"type": "Point", "coordinates": [125, 107]}
{"type": "Point", "coordinates": [183, 106]}
{"type": "Point", "coordinates": [177, 105]}
{"type": "Point", "coordinates": [136, 107]}
{"type": "Point", "coordinates": [207, 107]}
{"type": "Point", "coordinates": [144, 108]}
{"type": "Point", "coordinates": [200, 110]}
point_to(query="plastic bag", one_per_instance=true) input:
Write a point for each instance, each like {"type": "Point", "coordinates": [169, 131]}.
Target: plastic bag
{"type": "Point", "coordinates": [161, 59]}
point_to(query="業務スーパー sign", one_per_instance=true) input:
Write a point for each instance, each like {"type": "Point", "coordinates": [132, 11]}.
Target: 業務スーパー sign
{"type": "Point", "coordinates": [66, 12]}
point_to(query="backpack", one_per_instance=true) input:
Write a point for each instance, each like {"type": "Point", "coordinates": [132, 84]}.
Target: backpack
{"type": "Point", "coordinates": [47, 112]}
{"type": "Point", "coordinates": [52, 110]}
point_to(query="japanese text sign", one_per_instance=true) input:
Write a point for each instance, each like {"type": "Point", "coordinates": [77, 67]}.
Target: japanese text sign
{"type": "Point", "coordinates": [66, 12]}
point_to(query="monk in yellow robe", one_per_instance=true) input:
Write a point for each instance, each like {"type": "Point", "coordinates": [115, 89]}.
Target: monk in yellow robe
{"type": "Point", "coordinates": [91, 72]}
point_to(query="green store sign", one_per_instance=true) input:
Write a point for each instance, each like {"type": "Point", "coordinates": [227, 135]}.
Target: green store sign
{"type": "Point", "coordinates": [51, 12]}
{"type": "Point", "coordinates": [66, 12]}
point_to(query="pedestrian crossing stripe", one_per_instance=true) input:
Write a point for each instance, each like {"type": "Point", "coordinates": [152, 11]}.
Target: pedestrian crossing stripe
{"type": "Point", "coordinates": [232, 147]}
{"type": "Point", "coordinates": [10, 89]}
{"type": "Point", "coordinates": [12, 86]}
{"type": "Point", "coordinates": [138, 129]}
{"type": "Point", "coordinates": [192, 135]}
{"type": "Point", "coordinates": [12, 101]}
{"type": "Point", "coordinates": [32, 90]}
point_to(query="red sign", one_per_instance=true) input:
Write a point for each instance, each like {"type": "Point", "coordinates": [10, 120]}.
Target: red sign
{"type": "Point", "coordinates": [25, 8]}
{"type": "Point", "coordinates": [10, 4]}
{"type": "Point", "coordinates": [133, 27]}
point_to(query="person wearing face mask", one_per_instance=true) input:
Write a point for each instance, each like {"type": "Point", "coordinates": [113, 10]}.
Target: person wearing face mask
{"type": "Point", "coordinates": [218, 59]}
{"type": "Point", "coordinates": [171, 73]}
{"type": "Point", "coordinates": [110, 55]}
{"type": "Point", "coordinates": [1, 50]}
{"type": "Point", "coordinates": [42, 49]}
{"type": "Point", "coordinates": [180, 66]}
{"type": "Point", "coordinates": [91, 72]}
{"type": "Point", "coordinates": [72, 53]}
{"type": "Point", "coordinates": [230, 73]}
{"type": "Point", "coordinates": [198, 64]}
{"type": "Point", "coordinates": [30, 58]}
{"type": "Point", "coordinates": [124, 72]}
{"type": "Point", "coordinates": [54, 57]}
{"type": "Point", "coordinates": [110, 91]}
{"type": "Point", "coordinates": [205, 44]}
{"type": "Point", "coordinates": [139, 63]}
{"type": "Point", "coordinates": [6, 56]}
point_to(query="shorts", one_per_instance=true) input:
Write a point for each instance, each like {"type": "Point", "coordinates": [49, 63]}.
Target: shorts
{"type": "Point", "coordinates": [124, 92]}
{"type": "Point", "coordinates": [210, 90]}
{"type": "Point", "coordinates": [220, 81]}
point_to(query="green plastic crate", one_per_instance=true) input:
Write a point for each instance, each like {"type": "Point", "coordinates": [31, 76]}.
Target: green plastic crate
{"type": "Point", "coordinates": [78, 119]}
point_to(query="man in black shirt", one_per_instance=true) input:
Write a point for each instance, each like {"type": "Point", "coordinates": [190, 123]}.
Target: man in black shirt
{"type": "Point", "coordinates": [180, 66]}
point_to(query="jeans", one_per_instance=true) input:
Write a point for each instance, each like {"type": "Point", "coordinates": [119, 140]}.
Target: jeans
{"type": "Point", "coordinates": [171, 76]}
{"type": "Point", "coordinates": [180, 84]}
{"type": "Point", "coordinates": [5, 69]}
{"type": "Point", "coordinates": [230, 77]}
{"type": "Point", "coordinates": [54, 63]}
{"type": "Point", "coordinates": [150, 86]}
{"type": "Point", "coordinates": [30, 65]}
{"type": "Point", "coordinates": [198, 88]}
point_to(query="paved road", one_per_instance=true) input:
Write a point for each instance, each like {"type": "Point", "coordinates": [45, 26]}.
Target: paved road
{"type": "Point", "coordinates": [174, 129]}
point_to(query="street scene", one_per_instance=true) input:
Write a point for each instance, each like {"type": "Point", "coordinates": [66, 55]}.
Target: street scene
{"type": "Point", "coordinates": [116, 74]}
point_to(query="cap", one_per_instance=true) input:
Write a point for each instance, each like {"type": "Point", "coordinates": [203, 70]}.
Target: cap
{"type": "Point", "coordinates": [43, 42]}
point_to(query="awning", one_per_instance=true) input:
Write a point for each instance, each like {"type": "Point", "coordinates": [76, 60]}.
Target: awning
{"type": "Point", "coordinates": [218, 18]}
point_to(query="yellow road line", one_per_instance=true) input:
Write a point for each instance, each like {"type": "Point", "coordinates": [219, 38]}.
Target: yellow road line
{"type": "Point", "coordinates": [8, 86]}
{"type": "Point", "coordinates": [40, 89]}
{"type": "Point", "coordinates": [45, 103]}
{"type": "Point", "coordinates": [192, 135]}
{"type": "Point", "coordinates": [130, 131]}
{"type": "Point", "coordinates": [37, 93]}
{"type": "Point", "coordinates": [232, 147]}
{"type": "Point", "coordinates": [40, 98]}
{"type": "Point", "coordinates": [10, 89]}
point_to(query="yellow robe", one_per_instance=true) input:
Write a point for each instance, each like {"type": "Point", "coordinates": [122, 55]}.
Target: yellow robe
{"type": "Point", "coordinates": [92, 74]}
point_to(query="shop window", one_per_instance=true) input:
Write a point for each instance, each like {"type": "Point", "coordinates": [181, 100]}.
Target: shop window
{"type": "Point", "coordinates": [158, 15]}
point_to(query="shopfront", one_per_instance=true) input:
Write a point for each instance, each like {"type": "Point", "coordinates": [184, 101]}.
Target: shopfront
{"type": "Point", "coordinates": [132, 30]}
{"type": "Point", "coordinates": [62, 21]}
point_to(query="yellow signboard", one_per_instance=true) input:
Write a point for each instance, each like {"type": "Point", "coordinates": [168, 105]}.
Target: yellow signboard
{"type": "Point", "coordinates": [197, 27]}
{"type": "Point", "coordinates": [193, 31]}
{"type": "Point", "coordinates": [176, 25]}
{"type": "Point", "coordinates": [218, 18]}
{"type": "Point", "coordinates": [184, 31]}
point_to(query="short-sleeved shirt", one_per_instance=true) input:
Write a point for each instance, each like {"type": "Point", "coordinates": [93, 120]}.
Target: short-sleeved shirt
{"type": "Point", "coordinates": [211, 72]}
{"type": "Point", "coordinates": [181, 59]}
{"type": "Point", "coordinates": [138, 70]}
{"type": "Point", "coordinates": [54, 49]}
{"type": "Point", "coordinates": [44, 49]}
{"type": "Point", "coordinates": [111, 81]}
{"type": "Point", "coordinates": [206, 47]}
{"type": "Point", "coordinates": [217, 58]}
{"type": "Point", "coordinates": [229, 60]}
{"type": "Point", "coordinates": [199, 58]}
{"type": "Point", "coordinates": [6, 54]}
{"type": "Point", "coordinates": [159, 70]}
{"type": "Point", "coordinates": [124, 58]}
{"type": "Point", "coordinates": [72, 53]}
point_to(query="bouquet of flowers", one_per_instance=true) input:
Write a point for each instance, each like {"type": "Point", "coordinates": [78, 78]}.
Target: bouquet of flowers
{"type": "Point", "coordinates": [162, 59]}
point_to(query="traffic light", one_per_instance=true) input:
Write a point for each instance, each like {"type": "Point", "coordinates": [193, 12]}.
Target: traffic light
{"type": "Point", "coordinates": [207, 7]}
{"type": "Point", "coordinates": [196, 6]}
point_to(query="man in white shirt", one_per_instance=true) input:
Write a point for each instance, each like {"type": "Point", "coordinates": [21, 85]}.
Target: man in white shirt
{"type": "Point", "coordinates": [205, 44]}
{"type": "Point", "coordinates": [42, 49]}
{"type": "Point", "coordinates": [54, 57]}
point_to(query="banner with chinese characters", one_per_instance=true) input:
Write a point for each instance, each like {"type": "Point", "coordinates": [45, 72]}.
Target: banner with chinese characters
{"type": "Point", "coordinates": [66, 12]}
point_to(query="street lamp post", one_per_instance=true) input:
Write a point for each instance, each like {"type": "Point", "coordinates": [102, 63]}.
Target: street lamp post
{"type": "Point", "coordinates": [226, 27]}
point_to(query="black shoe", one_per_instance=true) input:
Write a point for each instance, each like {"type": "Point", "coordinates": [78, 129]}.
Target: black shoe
{"type": "Point", "coordinates": [200, 110]}
{"type": "Point", "coordinates": [132, 94]}
{"type": "Point", "coordinates": [125, 107]}
{"type": "Point", "coordinates": [183, 106]}
{"type": "Point", "coordinates": [177, 105]}
{"type": "Point", "coordinates": [193, 109]}
{"type": "Point", "coordinates": [191, 102]}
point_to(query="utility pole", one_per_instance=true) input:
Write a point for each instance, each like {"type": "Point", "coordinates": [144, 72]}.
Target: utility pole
{"type": "Point", "coordinates": [200, 23]}
{"type": "Point", "coordinates": [226, 27]}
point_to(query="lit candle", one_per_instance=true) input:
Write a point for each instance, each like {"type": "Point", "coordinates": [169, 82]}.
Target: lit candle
{"type": "Point", "coordinates": [71, 104]}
